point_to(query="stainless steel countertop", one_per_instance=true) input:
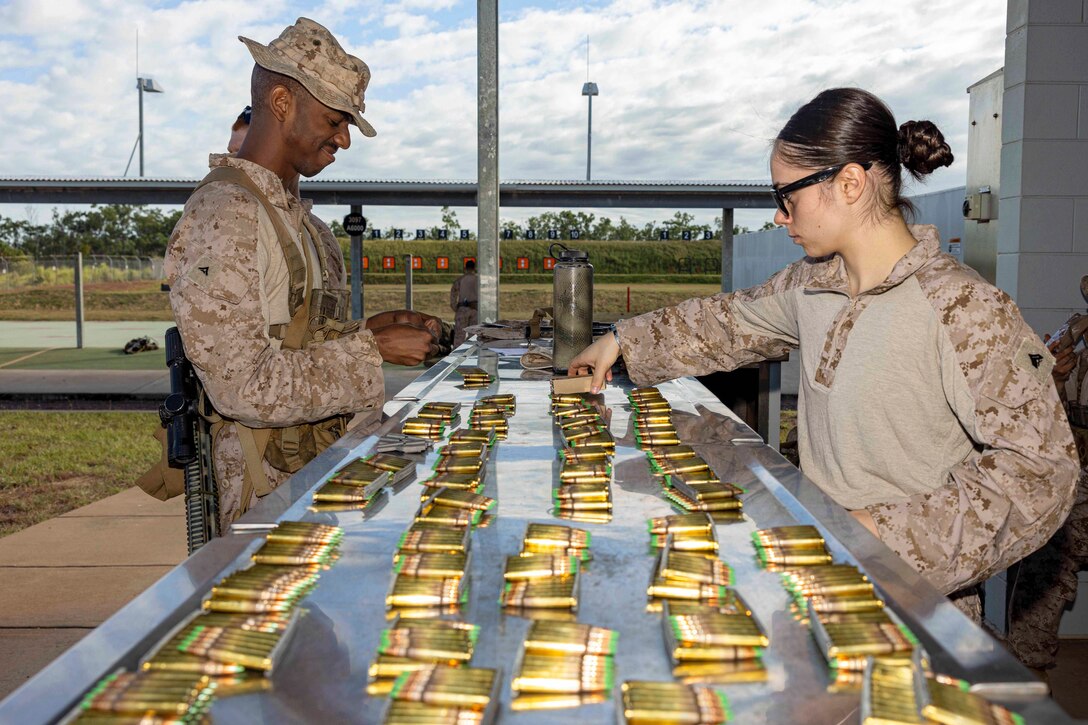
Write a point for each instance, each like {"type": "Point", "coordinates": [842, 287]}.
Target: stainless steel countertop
{"type": "Point", "coordinates": [324, 672]}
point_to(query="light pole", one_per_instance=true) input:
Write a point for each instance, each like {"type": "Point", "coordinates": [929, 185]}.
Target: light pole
{"type": "Point", "coordinates": [144, 85]}
{"type": "Point", "coordinates": [589, 89]}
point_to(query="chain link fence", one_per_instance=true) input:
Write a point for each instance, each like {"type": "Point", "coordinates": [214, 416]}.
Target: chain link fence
{"type": "Point", "coordinates": [18, 272]}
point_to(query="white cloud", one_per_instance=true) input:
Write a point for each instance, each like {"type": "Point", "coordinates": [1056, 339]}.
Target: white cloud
{"type": "Point", "coordinates": [689, 88]}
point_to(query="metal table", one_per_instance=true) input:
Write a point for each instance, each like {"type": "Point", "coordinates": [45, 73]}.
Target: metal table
{"type": "Point", "coordinates": [324, 673]}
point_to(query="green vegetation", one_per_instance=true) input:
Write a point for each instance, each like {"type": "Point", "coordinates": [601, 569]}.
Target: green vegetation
{"type": "Point", "coordinates": [88, 358]}
{"type": "Point", "coordinates": [56, 462]}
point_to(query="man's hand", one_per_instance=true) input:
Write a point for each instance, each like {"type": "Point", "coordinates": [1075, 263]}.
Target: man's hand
{"type": "Point", "coordinates": [598, 358]}
{"type": "Point", "coordinates": [404, 344]}
{"type": "Point", "coordinates": [405, 317]}
{"type": "Point", "coordinates": [863, 517]}
{"type": "Point", "coordinates": [1064, 360]}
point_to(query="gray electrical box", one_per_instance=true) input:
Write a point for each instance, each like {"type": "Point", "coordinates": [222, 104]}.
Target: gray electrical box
{"type": "Point", "coordinates": [980, 207]}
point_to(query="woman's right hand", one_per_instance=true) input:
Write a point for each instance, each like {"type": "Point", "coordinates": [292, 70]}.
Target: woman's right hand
{"type": "Point", "coordinates": [598, 359]}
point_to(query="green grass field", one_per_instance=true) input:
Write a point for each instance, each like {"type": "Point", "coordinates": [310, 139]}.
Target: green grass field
{"type": "Point", "coordinates": [89, 358]}
{"type": "Point", "coordinates": [56, 462]}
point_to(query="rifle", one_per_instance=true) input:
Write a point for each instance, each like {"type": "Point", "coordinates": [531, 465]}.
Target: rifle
{"type": "Point", "coordinates": [188, 444]}
{"type": "Point", "coordinates": [1072, 332]}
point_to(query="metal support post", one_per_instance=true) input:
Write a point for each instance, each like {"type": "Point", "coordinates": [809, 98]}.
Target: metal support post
{"type": "Point", "coordinates": [407, 281]}
{"type": "Point", "coordinates": [589, 140]}
{"type": "Point", "coordinates": [769, 415]}
{"type": "Point", "coordinates": [727, 250]}
{"type": "Point", "coordinates": [140, 91]}
{"type": "Point", "coordinates": [356, 269]}
{"type": "Point", "coordinates": [487, 157]}
{"type": "Point", "coordinates": [79, 299]}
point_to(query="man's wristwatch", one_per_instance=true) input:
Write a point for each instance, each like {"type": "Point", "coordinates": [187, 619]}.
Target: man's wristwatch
{"type": "Point", "coordinates": [615, 332]}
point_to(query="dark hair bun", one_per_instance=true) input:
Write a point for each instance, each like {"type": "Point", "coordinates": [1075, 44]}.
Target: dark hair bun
{"type": "Point", "coordinates": [922, 148]}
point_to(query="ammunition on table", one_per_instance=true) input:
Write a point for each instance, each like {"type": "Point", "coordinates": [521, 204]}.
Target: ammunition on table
{"type": "Point", "coordinates": [408, 591]}
{"type": "Point", "coordinates": [701, 485]}
{"type": "Point", "coordinates": [570, 638]}
{"type": "Point", "coordinates": [449, 646]}
{"type": "Point", "coordinates": [431, 565]}
{"type": "Point", "coordinates": [473, 372]}
{"type": "Point", "coordinates": [651, 418]}
{"type": "Point", "coordinates": [344, 493]}
{"type": "Point", "coordinates": [689, 504]}
{"type": "Point", "coordinates": [855, 640]}
{"type": "Point", "coordinates": [647, 391]}
{"type": "Point", "coordinates": [459, 481]}
{"type": "Point", "coordinates": [447, 686]}
{"type": "Point", "coordinates": [556, 536]}
{"type": "Point", "coordinates": [564, 674]}
{"type": "Point", "coordinates": [732, 604]}
{"type": "Point", "coordinates": [583, 492]}
{"type": "Point", "coordinates": [579, 432]}
{"type": "Point", "coordinates": [448, 515]}
{"type": "Point", "coordinates": [483, 422]}
{"type": "Point", "coordinates": [464, 450]}
{"type": "Point", "coordinates": [417, 713]}
{"type": "Point", "coordinates": [656, 439]}
{"type": "Point", "coordinates": [673, 702]}
{"type": "Point", "coordinates": [533, 549]}
{"type": "Point", "coordinates": [440, 541]}
{"type": "Point", "coordinates": [250, 649]}
{"type": "Point", "coordinates": [589, 418]}
{"type": "Point", "coordinates": [389, 462]}
{"type": "Point", "coordinates": [445, 415]}
{"type": "Point", "coordinates": [650, 406]}
{"type": "Point", "coordinates": [554, 593]}
{"type": "Point", "coordinates": [879, 616]}
{"type": "Point", "coordinates": [660, 456]}
{"type": "Point", "coordinates": [783, 537]}
{"type": "Point", "coordinates": [600, 515]}
{"type": "Point", "coordinates": [461, 499]}
{"type": "Point", "coordinates": [360, 473]}
{"type": "Point", "coordinates": [454, 464]}
{"type": "Point", "coordinates": [865, 602]}
{"type": "Point", "coordinates": [834, 579]}
{"type": "Point", "coordinates": [174, 661]}
{"type": "Point", "coordinates": [662, 588]}
{"type": "Point", "coordinates": [423, 428]}
{"type": "Point", "coordinates": [813, 556]}
{"type": "Point", "coordinates": [712, 629]}
{"type": "Point", "coordinates": [304, 532]}
{"type": "Point", "coordinates": [245, 606]}
{"type": "Point", "coordinates": [585, 472]}
{"type": "Point", "coordinates": [505, 399]}
{"type": "Point", "coordinates": [555, 701]}
{"type": "Point", "coordinates": [681, 524]}
{"type": "Point", "coordinates": [602, 440]}
{"type": "Point", "coordinates": [469, 435]}
{"type": "Point", "coordinates": [691, 464]}
{"type": "Point", "coordinates": [746, 669]}
{"type": "Point", "coordinates": [295, 554]}
{"type": "Point", "coordinates": [148, 695]}
{"type": "Point", "coordinates": [246, 622]}
{"type": "Point", "coordinates": [387, 668]}
{"type": "Point", "coordinates": [887, 695]}
{"type": "Point", "coordinates": [540, 566]}
{"type": "Point", "coordinates": [952, 705]}
{"type": "Point", "coordinates": [691, 566]}
{"type": "Point", "coordinates": [583, 455]}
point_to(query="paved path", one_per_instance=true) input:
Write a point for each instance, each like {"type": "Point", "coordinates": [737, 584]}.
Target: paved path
{"type": "Point", "coordinates": [63, 577]}
{"type": "Point", "coordinates": [63, 334]}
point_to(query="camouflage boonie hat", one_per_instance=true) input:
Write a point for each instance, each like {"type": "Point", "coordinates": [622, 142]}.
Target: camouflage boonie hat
{"type": "Point", "coordinates": [307, 52]}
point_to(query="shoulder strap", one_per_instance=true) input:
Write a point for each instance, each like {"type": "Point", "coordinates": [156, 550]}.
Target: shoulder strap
{"type": "Point", "coordinates": [296, 266]}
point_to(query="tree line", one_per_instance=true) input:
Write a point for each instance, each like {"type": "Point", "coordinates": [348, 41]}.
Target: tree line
{"type": "Point", "coordinates": [137, 230]}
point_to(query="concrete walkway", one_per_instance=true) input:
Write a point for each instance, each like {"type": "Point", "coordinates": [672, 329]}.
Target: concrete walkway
{"type": "Point", "coordinates": [65, 576]}
{"type": "Point", "coordinates": [63, 334]}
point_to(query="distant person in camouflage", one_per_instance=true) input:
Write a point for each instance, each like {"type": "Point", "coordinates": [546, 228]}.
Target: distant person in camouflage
{"type": "Point", "coordinates": [1045, 584]}
{"type": "Point", "coordinates": [926, 404]}
{"type": "Point", "coordinates": [465, 301]}
{"type": "Point", "coordinates": [257, 282]}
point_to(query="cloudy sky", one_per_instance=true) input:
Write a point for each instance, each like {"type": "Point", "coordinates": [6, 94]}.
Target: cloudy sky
{"type": "Point", "coordinates": [690, 89]}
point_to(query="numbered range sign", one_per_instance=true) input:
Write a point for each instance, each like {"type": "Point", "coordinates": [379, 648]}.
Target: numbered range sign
{"type": "Point", "coordinates": [417, 262]}
{"type": "Point", "coordinates": [398, 234]}
{"type": "Point", "coordinates": [549, 263]}
{"type": "Point", "coordinates": [466, 260]}
{"type": "Point", "coordinates": [375, 233]}
{"type": "Point", "coordinates": [355, 224]}
{"type": "Point", "coordinates": [530, 233]}
{"type": "Point", "coordinates": [663, 236]}
{"type": "Point", "coordinates": [464, 234]}
{"type": "Point", "coordinates": [507, 233]}
{"type": "Point", "coordinates": [686, 235]}
{"type": "Point", "coordinates": [574, 234]}
{"type": "Point", "coordinates": [553, 234]}
{"type": "Point", "coordinates": [389, 262]}
{"type": "Point", "coordinates": [707, 236]}
{"type": "Point", "coordinates": [523, 263]}
{"type": "Point", "coordinates": [366, 263]}
{"type": "Point", "coordinates": [442, 263]}
{"type": "Point", "coordinates": [443, 233]}
{"type": "Point", "coordinates": [421, 233]}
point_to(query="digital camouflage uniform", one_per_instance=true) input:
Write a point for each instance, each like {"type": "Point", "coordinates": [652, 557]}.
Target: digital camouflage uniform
{"type": "Point", "coordinates": [229, 283]}
{"type": "Point", "coordinates": [926, 400]}
{"type": "Point", "coordinates": [1046, 582]}
{"type": "Point", "coordinates": [464, 301]}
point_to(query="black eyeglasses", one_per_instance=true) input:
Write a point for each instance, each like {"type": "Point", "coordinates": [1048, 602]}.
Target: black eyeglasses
{"type": "Point", "coordinates": [782, 194]}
